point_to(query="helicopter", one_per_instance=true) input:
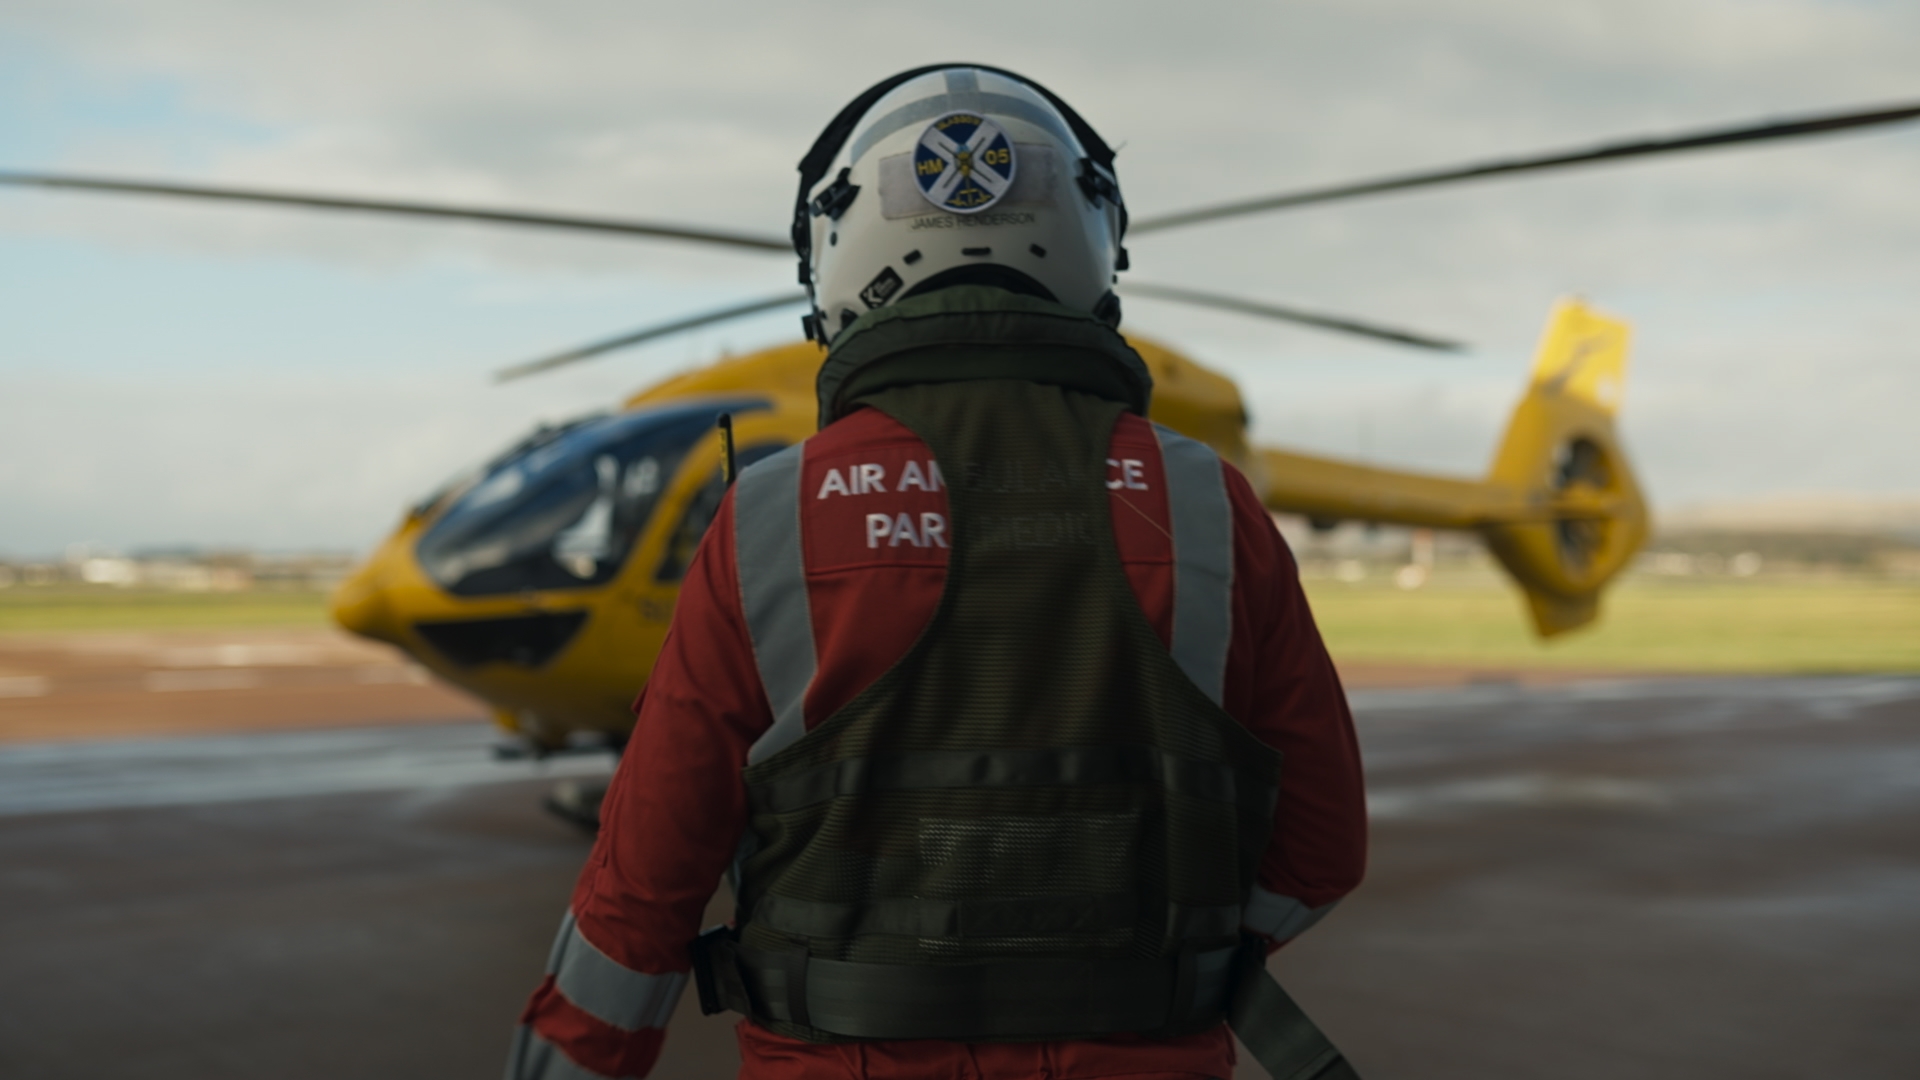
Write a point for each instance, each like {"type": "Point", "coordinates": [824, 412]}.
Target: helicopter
{"type": "Point", "coordinates": [544, 580]}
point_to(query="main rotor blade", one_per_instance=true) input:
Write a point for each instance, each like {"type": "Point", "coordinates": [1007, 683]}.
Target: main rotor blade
{"type": "Point", "coordinates": [388, 206]}
{"type": "Point", "coordinates": [1786, 129]}
{"type": "Point", "coordinates": [600, 348]}
{"type": "Point", "coordinates": [1335, 323]}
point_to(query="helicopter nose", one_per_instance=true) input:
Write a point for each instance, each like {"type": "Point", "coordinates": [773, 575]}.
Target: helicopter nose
{"type": "Point", "coordinates": [360, 604]}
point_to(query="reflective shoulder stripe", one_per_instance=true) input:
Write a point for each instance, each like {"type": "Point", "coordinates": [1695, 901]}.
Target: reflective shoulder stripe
{"type": "Point", "coordinates": [1202, 560]}
{"type": "Point", "coordinates": [560, 943]}
{"type": "Point", "coordinates": [610, 991]}
{"type": "Point", "coordinates": [1280, 917]}
{"type": "Point", "coordinates": [773, 591]}
{"type": "Point", "coordinates": [534, 1058]}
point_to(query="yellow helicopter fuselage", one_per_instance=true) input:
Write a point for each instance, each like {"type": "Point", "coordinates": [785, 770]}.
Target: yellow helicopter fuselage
{"type": "Point", "coordinates": [560, 651]}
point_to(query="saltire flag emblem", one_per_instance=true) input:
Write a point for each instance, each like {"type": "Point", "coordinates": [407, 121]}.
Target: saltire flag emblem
{"type": "Point", "coordinates": [963, 163]}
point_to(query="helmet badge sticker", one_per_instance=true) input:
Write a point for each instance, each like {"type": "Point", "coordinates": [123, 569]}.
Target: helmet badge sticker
{"type": "Point", "coordinates": [963, 163]}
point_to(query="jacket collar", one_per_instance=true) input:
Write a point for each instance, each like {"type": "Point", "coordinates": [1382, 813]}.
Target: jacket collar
{"type": "Point", "coordinates": [968, 332]}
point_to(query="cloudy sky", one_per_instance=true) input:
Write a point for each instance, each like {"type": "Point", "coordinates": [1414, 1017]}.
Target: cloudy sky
{"type": "Point", "coordinates": [217, 375]}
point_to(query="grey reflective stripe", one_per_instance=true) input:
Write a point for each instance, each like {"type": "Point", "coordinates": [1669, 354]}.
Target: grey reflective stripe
{"type": "Point", "coordinates": [609, 990]}
{"type": "Point", "coordinates": [1202, 560]}
{"type": "Point", "coordinates": [1280, 917]}
{"type": "Point", "coordinates": [773, 592]}
{"type": "Point", "coordinates": [534, 1058]}
{"type": "Point", "coordinates": [560, 943]}
{"type": "Point", "coordinates": [737, 869]}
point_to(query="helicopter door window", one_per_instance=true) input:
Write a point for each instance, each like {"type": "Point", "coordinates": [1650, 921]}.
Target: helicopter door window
{"type": "Point", "coordinates": [564, 511]}
{"type": "Point", "coordinates": [700, 513]}
{"type": "Point", "coordinates": [582, 546]}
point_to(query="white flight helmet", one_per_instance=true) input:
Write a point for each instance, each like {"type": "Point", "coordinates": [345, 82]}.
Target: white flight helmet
{"type": "Point", "coordinates": [957, 174]}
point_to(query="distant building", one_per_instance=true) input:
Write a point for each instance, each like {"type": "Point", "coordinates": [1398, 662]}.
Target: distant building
{"type": "Point", "coordinates": [181, 569]}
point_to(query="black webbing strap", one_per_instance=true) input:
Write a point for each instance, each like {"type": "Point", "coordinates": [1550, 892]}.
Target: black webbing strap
{"type": "Point", "coordinates": [1275, 1029]}
{"type": "Point", "coordinates": [1080, 765]}
{"type": "Point", "coordinates": [1006, 999]}
{"type": "Point", "coordinates": [1017, 999]}
{"type": "Point", "coordinates": [715, 976]}
{"type": "Point", "coordinates": [927, 917]}
{"type": "Point", "coordinates": [1003, 1000]}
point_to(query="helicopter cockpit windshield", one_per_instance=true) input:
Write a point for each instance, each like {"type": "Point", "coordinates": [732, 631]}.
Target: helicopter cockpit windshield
{"type": "Point", "coordinates": [563, 509]}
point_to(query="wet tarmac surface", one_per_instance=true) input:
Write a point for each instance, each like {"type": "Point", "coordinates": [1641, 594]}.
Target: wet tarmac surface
{"type": "Point", "coordinates": [1681, 879]}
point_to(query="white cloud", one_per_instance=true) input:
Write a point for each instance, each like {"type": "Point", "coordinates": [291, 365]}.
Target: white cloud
{"type": "Point", "coordinates": [277, 462]}
{"type": "Point", "coordinates": [1769, 287]}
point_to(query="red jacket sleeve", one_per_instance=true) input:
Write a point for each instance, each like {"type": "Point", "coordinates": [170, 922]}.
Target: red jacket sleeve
{"type": "Point", "coordinates": [1283, 687]}
{"type": "Point", "coordinates": [672, 822]}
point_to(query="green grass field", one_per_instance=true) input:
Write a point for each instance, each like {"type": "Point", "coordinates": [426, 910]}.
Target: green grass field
{"type": "Point", "coordinates": [1725, 625]}
{"type": "Point", "coordinates": [26, 609]}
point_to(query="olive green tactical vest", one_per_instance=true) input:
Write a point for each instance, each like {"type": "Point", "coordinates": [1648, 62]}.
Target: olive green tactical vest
{"type": "Point", "coordinates": [1035, 825]}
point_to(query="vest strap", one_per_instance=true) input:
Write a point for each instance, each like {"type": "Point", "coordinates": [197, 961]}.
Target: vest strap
{"type": "Point", "coordinates": [1202, 560]}
{"type": "Point", "coordinates": [996, 769]}
{"type": "Point", "coordinates": [1009, 999]}
{"type": "Point", "coordinates": [773, 592]}
{"type": "Point", "coordinates": [929, 918]}
{"type": "Point", "coordinates": [1275, 1030]}
{"type": "Point", "coordinates": [1006, 999]}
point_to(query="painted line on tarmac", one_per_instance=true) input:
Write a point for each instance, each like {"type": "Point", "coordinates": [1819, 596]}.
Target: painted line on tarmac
{"type": "Point", "coordinates": [1516, 791]}
{"type": "Point", "coordinates": [1453, 725]}
{"type": "Point", "coordinates": [62, 777]}
{"type": "Point", "coordinates": [1827, 693]}
{"type": "Point", "coordinates": [20, 686]}
{"type": "Point", "coordinates": [1494, 735]}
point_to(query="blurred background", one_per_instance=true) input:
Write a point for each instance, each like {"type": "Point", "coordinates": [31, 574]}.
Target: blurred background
{"type": "Point", "coordinates": [1679, 842]}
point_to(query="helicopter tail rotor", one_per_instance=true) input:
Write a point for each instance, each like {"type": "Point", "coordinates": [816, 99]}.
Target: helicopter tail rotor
{"type": "Point", "coordinates": [1562, 458]}
{"type": "Point", "coordinates": [1560, 509]}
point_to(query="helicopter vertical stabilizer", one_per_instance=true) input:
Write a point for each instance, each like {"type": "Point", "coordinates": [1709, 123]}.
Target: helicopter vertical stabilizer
{"type": "Point", "coordinates": [1580, 514]}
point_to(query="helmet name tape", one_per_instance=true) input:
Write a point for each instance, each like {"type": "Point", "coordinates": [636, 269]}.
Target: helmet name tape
{"type": "Point", "coordinates": [942, 221]}
{"type": "Point", "coordinates": [963, 163]}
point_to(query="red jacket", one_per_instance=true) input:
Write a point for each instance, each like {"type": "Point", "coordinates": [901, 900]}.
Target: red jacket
{"type": "Point", "coordinates": [677, 808]}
